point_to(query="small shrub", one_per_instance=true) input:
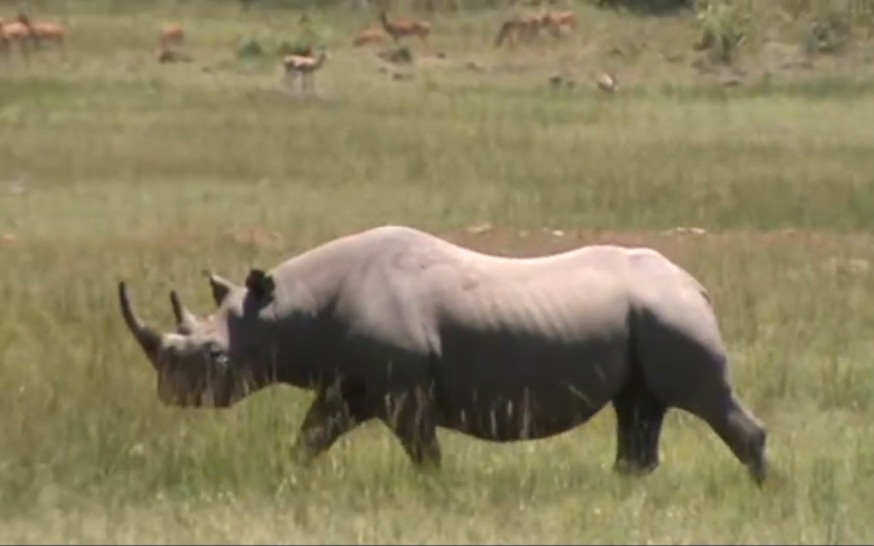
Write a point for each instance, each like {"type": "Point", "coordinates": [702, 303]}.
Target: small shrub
{"type": "Point", "coordinates": [249, 49]}
{"type": "Point", "coordinates": [400, 55]}
{"type": "Point", "coordinates": [722, 29]}
{"type": "Point", "coordinates": [828, 33]}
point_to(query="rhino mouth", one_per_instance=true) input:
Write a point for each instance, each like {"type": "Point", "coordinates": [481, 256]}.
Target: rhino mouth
{"type": "Point", "coordinates": [217, 393]}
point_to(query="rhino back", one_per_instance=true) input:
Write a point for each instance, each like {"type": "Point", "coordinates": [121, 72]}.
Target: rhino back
{"type": "Point", "coordinates": [547, 334]}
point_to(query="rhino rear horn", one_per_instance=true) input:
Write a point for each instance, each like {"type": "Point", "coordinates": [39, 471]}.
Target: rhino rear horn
{"type": "Point", "coordinates": [185, 319]}
{"type": "Point", "coordinates": [220, 287]}
{"type": "Point", "coordinates": [148, 338]}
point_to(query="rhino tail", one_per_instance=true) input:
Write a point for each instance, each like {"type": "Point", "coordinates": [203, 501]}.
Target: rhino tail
{"type": "Point", "coordinates": [698, 286]}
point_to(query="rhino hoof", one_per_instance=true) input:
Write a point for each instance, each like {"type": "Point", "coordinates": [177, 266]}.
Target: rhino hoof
{"type": "Point", "coordinates": [758, 472]}
{"type": "Point", "coordinates": [632, 468]}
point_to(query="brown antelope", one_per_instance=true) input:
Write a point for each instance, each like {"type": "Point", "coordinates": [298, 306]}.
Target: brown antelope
{"type": "Point", "coordinates": [555, 21]}
{"type": "Point", "coordinates": [525, 27]}
{"type": "Point", "coordinates": [171, 34]}
{"type": "Point", "coordinates": [42, 31]}
{"type": "Point", "coordinates": [369, 36]}
{"type": "Point", "coordinates": [303, 66]}
{"type": "Point", "coordinates": [14, 33]}
{"type": "Point", "coordinates": [400, 28]}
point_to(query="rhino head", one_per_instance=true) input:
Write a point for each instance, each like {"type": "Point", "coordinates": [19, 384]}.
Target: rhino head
{"type": "Point", "coordinates": [196, 365]}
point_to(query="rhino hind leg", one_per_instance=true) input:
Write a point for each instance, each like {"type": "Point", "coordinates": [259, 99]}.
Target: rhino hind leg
{"type": "Point", "coordinates": [686, 366]}
{"type": "Point", "coordinates": [741, 431]}
{"type": "Point", "coordinates": [639, 418]}
{"type": "Point", "coordinates": [411, 416]}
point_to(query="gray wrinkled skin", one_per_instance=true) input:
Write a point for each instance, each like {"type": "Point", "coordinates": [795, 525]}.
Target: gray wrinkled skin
{"type": "Point", "coordinates": [398, 325]}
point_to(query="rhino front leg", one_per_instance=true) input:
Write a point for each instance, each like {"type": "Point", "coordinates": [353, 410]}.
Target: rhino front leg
{"type": "Point", "coordinates": [332, 414]}
{"type": "Point", "coordinates": [411, 416]}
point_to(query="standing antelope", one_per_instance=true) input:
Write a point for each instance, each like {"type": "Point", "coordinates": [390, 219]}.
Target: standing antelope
{"type": "Point", "coordinates": [555, 21]}
{"type": "Point", "coordinates": [400, 28]}
{"type": "Point", "coordinates": [41, 31]}
{"type": "Point", "coordinates": [304, 66]}
{"type": "Point", "coordinates": [173, 34]}
{"type": "Point", "coordinates": [15, 32]}
{"type": "Point", "coordinates": [525, 27]}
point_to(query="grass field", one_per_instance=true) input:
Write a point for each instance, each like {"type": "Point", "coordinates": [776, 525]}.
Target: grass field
{"type": "Point", "coordinates": [115, 167]}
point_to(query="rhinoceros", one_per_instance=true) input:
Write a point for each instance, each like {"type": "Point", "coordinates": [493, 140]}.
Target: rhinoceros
{"type": "Point", "coordinates": [401, 326]}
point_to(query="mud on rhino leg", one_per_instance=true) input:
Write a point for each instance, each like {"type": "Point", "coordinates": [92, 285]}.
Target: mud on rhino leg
{"type": "Point", "coordinates": [332, 414]}
{"type": "Point", "coordinates": [411, 416]}
{"type": "Point", "coordinates": [639, 418]}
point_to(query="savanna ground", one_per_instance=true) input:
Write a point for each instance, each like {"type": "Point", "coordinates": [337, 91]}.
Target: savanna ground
{"type": "Point", "coordinates": [115, 167]}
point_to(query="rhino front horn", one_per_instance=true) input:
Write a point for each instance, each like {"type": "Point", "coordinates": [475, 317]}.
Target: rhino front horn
{"type": "Point", "coordinates": [185, 319]}
{"type": "Point", "coordinates": [148, 338]}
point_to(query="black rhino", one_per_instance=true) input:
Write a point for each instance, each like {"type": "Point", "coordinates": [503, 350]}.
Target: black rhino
{"type": "Point", "coordinates": [398, 325]}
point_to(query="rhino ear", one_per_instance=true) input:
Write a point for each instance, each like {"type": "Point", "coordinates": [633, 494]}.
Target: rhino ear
{"type": "Point", "coordinates": [220, 287]}
{"type": "Point", "coordinates": [260, 284]}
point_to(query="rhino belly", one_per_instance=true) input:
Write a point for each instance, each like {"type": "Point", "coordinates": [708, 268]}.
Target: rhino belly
{"type": "Point", "coordinates": [506, 390]}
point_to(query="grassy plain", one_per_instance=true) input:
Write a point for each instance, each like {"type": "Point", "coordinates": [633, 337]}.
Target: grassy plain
{"type": "Point", "coordinates": [112, 166]}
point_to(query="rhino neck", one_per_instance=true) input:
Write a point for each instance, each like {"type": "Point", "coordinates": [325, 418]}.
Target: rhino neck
{"type": "Point", "coordinates": [296, 331]}
{"type": "Point", "coordinates": [306, 334]}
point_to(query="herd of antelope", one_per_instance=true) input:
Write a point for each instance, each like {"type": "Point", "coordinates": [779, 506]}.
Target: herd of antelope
{"type": "Point", "coordinates": [24, 33]}
{"type": "Point", "coordinates": [523, 27]}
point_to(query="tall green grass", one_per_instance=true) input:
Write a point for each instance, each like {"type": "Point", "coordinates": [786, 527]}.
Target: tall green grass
{"type": "Point", "coordinates": [114, 167]}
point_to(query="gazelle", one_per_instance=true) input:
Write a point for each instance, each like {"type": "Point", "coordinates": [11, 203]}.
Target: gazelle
{"type": "Point", "coordinates": [400, 28]}
{"type": "Point", "coordinates": [555, 21]}
{"type": "Point", "coordinates": [41, 31]}
{"type": "Point", "coordinates": [303, 66]}
{"type": "Point", "coordinates": [171, 34]}
{"type": "Point", "coordinates": [14, 33]}
{"type": "Point", "coordinates": [525, 27]}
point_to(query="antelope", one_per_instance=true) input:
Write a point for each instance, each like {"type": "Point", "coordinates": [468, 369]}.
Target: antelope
{"type": "Point", "coordinates": [42, 31]}
{"type": "Point", "coordinates": [525, 27]}
{"type": "Point", "coordinates": [15, 32]}
{"type": "Point", "coordinates": [556, 20]}
{"type": "Point", "coordinates": [369, 36]}
{"type": "Point", "coordinates": [171, 34]}
{"type": "Point", "coordinates": [400, 28]}
{"type": "Point", "coordinates": [305, 66]}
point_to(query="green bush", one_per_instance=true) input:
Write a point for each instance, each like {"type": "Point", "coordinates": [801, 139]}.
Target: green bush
{"type": "Point", "coordinates": [722, 29]}
{"type": "Point", "coordinates": [829, 32]}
